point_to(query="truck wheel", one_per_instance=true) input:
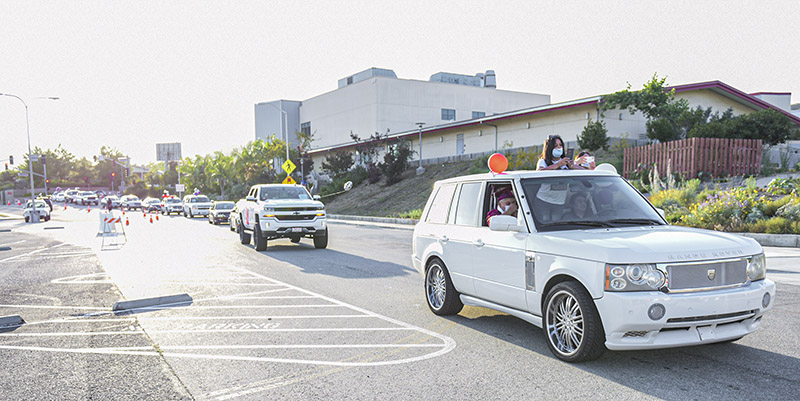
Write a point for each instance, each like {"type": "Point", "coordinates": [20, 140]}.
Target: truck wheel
{"type": "Point", "coordinates": [442, 297]}
{"type": "Point", "coordinates": [191, 216]}
{"type": "Point", "coordinates": [258, 240]}
{"type": "Point", "coordinates": [46, 218]}
{"type": "Point", "coordinates": [244, 237]}
{"type": "Point", "coordinates": [321, 241]}
{"type": "Point", "coordinates": [571, 323]}
{"type": "Point", "coordinates": [27, 219]}
{"type": "Point", "coordinates": [295, 239]}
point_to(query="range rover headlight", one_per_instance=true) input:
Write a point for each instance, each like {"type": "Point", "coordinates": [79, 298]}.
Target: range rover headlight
{"type": "Point", "coordinates": [757, 267]}
{"type": "Point", "coordinates": [634, 277]}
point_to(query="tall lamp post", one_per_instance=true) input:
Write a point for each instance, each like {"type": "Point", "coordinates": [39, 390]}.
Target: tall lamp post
{"type": "Point", "coordinates": [282, 126]}
{"type": "Point", "coordinates": [420, 169]}
{"type": "Point", "coordinates": [34, 213]}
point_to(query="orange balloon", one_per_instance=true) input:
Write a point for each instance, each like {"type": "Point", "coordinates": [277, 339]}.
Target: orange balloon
{"type": "Point", "coordinates": [498, 163]}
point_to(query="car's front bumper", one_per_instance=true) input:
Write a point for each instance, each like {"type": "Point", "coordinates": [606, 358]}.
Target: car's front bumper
{"type": "Point", "coordinates": [271, 227]}
{"type": "Point", "coordinates": [690, 318]}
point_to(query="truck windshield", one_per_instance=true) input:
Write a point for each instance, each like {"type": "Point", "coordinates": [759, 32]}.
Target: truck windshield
{"type": "Point", "coordinates": [199, 199]}
{"type": "Point", "coordinates": [283, 193]}
{"type": "Point", "coordinates": [575, 203]}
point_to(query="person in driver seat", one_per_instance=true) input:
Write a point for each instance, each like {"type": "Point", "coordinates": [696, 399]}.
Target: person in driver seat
{"type": "Point", "coordinates": [506, 204]}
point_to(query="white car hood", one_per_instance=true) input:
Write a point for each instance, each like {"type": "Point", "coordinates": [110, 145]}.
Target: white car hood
{"type": "Point", "coordinates": [645, 244]}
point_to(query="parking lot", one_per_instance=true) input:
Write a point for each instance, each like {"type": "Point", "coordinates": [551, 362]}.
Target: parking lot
{"type": "Point", "coordinates": [293, 321]}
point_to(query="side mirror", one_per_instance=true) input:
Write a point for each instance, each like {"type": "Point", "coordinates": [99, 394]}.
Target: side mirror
{"type": "Point", "coordinates": [251, 198]}
{"type": "Point", "coordinates": [317, 197]}
{"type": "Point", "coordinates": [662, 213]}
{"type": "Point", "coordinates": [504, 223]}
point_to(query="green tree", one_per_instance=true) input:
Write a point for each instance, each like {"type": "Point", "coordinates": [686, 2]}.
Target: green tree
{"type": "Point", "coordinates": [395, 161]}
{"type": "Point", "coordinates": [338, 163]}
{"type": "Point", "coordinates": [659, 106]}
{"type": "Point", "coordinates": [594, 136]}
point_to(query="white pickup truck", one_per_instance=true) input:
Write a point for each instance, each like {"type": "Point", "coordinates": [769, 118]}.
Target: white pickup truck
{"type": "Point", "coordinates": [273, 211]}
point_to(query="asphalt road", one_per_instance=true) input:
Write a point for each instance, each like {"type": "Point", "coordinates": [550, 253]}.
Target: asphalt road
{"type": "Point", "coordinates": [347, 322]}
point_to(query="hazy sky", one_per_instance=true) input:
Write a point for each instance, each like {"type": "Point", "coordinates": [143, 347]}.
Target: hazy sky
{"type": "Point", "coordinates": [133, 74]}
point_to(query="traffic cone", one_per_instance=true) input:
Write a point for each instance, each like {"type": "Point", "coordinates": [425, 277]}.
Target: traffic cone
{"type": "Point", "coordinates": [156, 217]}
{"type": "Point", "coordinates": [127, 223]}
{"type": "Point", "coordinates": [151, 219]}
{"type": "Point", "coordinates": [89, 209]}
{"type": "Point", "coordinates": [65, 206]}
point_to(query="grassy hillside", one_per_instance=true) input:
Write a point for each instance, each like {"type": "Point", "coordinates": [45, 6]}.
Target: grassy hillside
{"type": "Point", "coordinates": [389, 201]}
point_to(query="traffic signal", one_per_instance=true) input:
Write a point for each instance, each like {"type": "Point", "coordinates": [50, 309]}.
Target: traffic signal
{"type": "Point", "coordinates": [47, 180]}
{"type": "Point", "coordinates": [11, 159]}
{"type": "Point", "coordinates": [113, 175]}
{"type": "Point", "coordinates": [43, 158]}
{"type": "Point", "coordinates": [128, 172]}
{"type": "Point", "coordinates": [6, 166]}
{"type": "Point", "coordinates": [86, 179]}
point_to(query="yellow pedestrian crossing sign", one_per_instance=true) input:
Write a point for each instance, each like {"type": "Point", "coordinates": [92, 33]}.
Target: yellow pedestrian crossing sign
{"type": "Point", "coordinates": [289, 180]}
{"type": "Point", "coordinates": [288, 166]}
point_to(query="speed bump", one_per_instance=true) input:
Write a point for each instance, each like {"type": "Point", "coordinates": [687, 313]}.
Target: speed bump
{"type": "Point", "coordinates": [14, 320]}
{"type": "Point", "coordinates": [168, 300]}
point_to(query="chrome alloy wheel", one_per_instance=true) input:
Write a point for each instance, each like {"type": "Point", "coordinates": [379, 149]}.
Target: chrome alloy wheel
{"type": "Point", "coordinates": [565, 326]}
{"type": "Point", "coordinates": [435, 286]}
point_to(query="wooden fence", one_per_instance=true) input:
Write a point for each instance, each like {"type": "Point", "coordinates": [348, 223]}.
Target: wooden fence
{"type": "Point", "coordinates": [716, 156]}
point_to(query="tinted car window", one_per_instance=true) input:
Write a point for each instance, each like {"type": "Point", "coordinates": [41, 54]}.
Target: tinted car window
{"type": "Point", "coordinates": [441, 204]}
{"type": "Point", "coordinates": [467, 209]}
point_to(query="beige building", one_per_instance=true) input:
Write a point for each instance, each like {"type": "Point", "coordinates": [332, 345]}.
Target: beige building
{"type": "Point", "coordinates": [530, 126]}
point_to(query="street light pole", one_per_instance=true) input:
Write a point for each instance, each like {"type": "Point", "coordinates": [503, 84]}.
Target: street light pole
{"type": "Point", "coordinates": [420, 169]}
{"type": "Point", "coordinates": [34, 214]}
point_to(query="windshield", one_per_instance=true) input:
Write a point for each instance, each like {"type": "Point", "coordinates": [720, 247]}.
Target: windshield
{"type": "Point", "coordinates": [40, 205]}
{"type": "Point", "coordinates": [223, 205]}
{"type": "Point", "coordinates": [198, 199]}
{"type": "Point", "coordinates": [172, 200]}
{"type": "Point", "coordinates": [573, 203]}
{"type": "Point", "coordinates": [87, 193]}
{"type": "Point", "coordinates": [284, 193]}
{"type": "Point", "coordinates": [132, 198]}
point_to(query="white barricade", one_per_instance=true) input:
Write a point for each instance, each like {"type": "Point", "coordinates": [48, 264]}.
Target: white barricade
{"type": "Point", "coordinates": [108, 226]}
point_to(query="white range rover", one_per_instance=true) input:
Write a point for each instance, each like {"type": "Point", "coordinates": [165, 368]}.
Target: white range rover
{"type": "Point", "coordinates": [618, 277]}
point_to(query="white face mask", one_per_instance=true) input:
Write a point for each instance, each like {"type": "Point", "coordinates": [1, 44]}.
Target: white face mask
{"type": "Point", "coordinates": [502, 209]}
{"type": "Point", "coordinates": [557, 153]}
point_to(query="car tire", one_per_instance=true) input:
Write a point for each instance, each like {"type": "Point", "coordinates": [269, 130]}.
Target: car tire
{"type": "Point", "coordinates": [244, 237]}
{"type": "Point", "coordinates": [572, 324]}
{"type": "Point", "coordinates": [295, 239]}
{"type": "Point", "coordinates": [191, 216]}
{"type": "Point", "coordinates": [321, 241]}
{"type": "Point", "coordinates": [27, 219]}
{"type": "Point", "coordinates": [258, 240]}
{"type": "Point", "coordinates": [46, 218]}
{"type": "Point", "coordinates": [440, 294]}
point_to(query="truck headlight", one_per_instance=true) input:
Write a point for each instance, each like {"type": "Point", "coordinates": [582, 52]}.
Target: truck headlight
{"type": "Point", "coordinates": [634, 277]}
{"type": "Point", "coordinates": [320, 207]}
{"type": "Point", "coordinates": [269, 209]}
{"type": "Point", "coordinates": [757, 267]}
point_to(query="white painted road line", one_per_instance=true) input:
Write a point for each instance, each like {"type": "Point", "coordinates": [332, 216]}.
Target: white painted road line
{"type": "Point", "coordinates": [30, 253]}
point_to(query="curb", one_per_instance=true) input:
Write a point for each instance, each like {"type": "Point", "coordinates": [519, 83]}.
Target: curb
{"type": "Point", "coordinates": [780, 240]}
{"type": "Point", "coordinates": [388, 220]}
{"type": "Point", "coordinates": [169, 300]}
{"type": "Point", "coordinates": [14, 320]}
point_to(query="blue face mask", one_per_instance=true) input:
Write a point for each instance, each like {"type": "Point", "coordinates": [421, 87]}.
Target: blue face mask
{"type": "Point", "coordinates": [558, 152]}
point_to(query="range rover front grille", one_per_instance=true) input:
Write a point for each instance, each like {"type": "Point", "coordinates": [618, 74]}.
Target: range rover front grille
{"type": "Point", "coordinates": [706, 275]}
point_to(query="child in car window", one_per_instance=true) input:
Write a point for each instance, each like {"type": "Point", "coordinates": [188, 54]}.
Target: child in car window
{"type": "Point", "coordinates": [506, 204]}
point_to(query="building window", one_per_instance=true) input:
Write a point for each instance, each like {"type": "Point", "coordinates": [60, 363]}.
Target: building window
{"type": "Point", "coordinates": [448, 114]}
{"type": "Point", "coordinates": [349, 80]}
{"type": "Point", "coordinates": [478, 114]}
{"type": "Point", "coordinates": [305, 128]}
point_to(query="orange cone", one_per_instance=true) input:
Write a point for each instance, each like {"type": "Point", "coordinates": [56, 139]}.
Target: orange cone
{"type": "Point", "coordinates": [127, 223]}
{"type": "Point", "coordinates": [65, 206]}
{"type": "Point", "coordinates": [151, 219]}
{"type": "Point", "coordinates": [156, 217]}
{"type": "Point", "coordinates": [89, 209]}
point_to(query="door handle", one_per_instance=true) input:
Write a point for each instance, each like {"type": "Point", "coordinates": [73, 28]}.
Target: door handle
{"type": "Point", "coordinates": [478, 243]}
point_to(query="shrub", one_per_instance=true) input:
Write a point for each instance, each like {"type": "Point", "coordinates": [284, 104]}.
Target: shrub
{"type": "Point", "coordinates": [411, 214]}
{"type": "Point", "coordinates": [790, 209]}
{"type": "Point", "coordinates": [780, 186]}
{"type": "Point", "coordinates": [757, 226]}
{"type": "Point", "coordinates": [778, 225]}
{"type": "Point", "coordinates": [480, 165]}
{"type": "Point", "coordinates": [770, 207]}
{"type": "Point", "coordinates": [721, 212]}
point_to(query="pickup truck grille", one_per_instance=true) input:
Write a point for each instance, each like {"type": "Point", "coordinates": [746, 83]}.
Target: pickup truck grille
{"type": "Point", "coordinates": [295, 217]}
{"type": "Point", "coordinates": [698, 276]}
{"type": "Point", "coordinates": [295, 209]}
